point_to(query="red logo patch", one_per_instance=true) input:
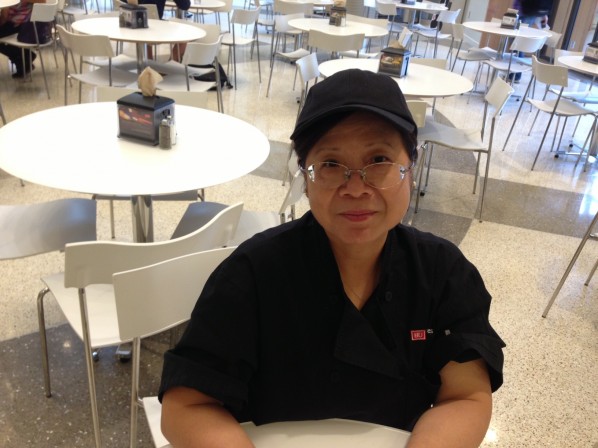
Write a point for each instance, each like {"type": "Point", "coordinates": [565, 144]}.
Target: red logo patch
{"type": "Point", "coordinates": [418, 335]}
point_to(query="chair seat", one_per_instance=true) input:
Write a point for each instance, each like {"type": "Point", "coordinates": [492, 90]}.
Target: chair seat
{"type": "Point", "coordinates": [100, 77]}
{"type": "Point", "coordinates": [227, 39]}
{"type": "Point", "coordinates": [565, 107]}
{"type": "Point", "coordinates": [476, 54]}
{"type": "Point", "coordinates": [293, 55]}
{"type": "Point", "coordinates": [584, 96]}
{"type": "Point", "coordinates": [431, 34]}
{"type": "Point", "coordinates": [121, 61]}
{"type": "Point", "coordinates": [12, 40]}
{"type": "Point", "coordinates": [153, 414]}
{"type": "Point", "coordinates": [503, 65]}
{"type": "Point", "coordinates": [460, 139]}
{"type": "Point", "coordinates": [179, 82]}
{"type": "Point", "coordinates": [103, 324]}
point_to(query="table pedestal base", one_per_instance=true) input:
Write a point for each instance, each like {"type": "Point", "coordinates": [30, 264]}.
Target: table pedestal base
{"type": "Point", "coordinates": [143, 219]}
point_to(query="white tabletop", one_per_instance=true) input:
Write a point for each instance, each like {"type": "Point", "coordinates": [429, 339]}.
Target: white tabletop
{"type": "Point", "coordinates": [325, 434]}
{"type": "Point", "coordinates": [158, 31]}
{"type": "Point", "coordinates": [7, 3]}
{"type": "Point", "coordinates": [319, 3]}
{"type": "Point", "coordinates": [495, 28]}
{"type": "Point", "coordinates": [76, 148]}
{"type": "Point", "coordinates": [578, 64]}
{"type": "Point", "coordinates": [199, 4]}
{"type": "Point", "coordinates": [421, 80]}
{"type": "Point", "coordinates": [307, 24]}
{"type": "Point", "coordinates": [421, 6]}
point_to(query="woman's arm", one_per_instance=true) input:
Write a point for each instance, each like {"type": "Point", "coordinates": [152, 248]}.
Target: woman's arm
{"type": "Point", "coordinates": [461, 415]}
{"type": "Point", "coordinates": [194, 420]}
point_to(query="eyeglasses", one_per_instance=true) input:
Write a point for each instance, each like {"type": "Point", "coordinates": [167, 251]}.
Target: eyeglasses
{"type": "Point", "coordinates": [380, 175]}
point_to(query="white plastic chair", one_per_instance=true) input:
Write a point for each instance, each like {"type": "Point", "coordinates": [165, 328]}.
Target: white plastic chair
{"type": "Point", "coordinates": [40, 13]}
{"type": "Point", "coordinates": [251, 222]}
{"type": "Point", "coordinates": [180, 76]}
{"type": "Point", "coordinates": [91, 46]}
{"type": "Point", "coordinates": [368, 44]}
{"type": "Point", "coordinates": [242, 18]}
{"type": "Point", "coordinates": [335, 44]}
{"type": "Point", "coordinates": [32, 229]}
{"type": "Point", "coordinates": [281, 31]}
{"type": "Point", "coordinates": [444, 17]}
{"type": "Point", "coordinates": [308, 72]}
{"type": "Point", "coordinates": [472, 140]}
{"type": "Point", "coordinates": [550, 75]}
{"type": "Point", "coordinates": [150, 300]}
{"type": "Point", "coordinates": [472, 54]}
{"type": "Point", "coordinates": [388, 9]}
{"type": "Point", "coordinates": [85, 294]}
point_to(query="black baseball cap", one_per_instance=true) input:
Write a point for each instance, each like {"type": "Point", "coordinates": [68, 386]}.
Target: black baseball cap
{"type": "Point", "coordinates": [353, 90]}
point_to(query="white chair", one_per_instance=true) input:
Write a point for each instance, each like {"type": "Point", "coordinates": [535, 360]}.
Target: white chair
{"type": "Point", "coordinates": [335, 44]}
{"type": "Point", "coordinates": [227, 9]}
{"type": "Point", "coordinates": [32, 229]}
{"type": "Point", "coordinates": [550, 75]}
{"type": "Point", "coordinates": [152, 299]}
{"type": "Point", "coordinates": [388, 9]}
{"type": "Point", "coordinates": [309, 72]}
{"type": "Point", "coordinates": [431, 62]}
{"type": "Point", "coordinates": [281, 31]}
{"type": "Point", "coordinates": [40, 13]}
{"type": "Point", "coordinates": [242, 19]}
{"type": "Point", "coordinates": [368, 44]}
{"type": "Point", "coordinates": [474, 54]}
{"type": "Point", "coordinates": [444, 17]}
{"type": "Point", "coordinates": [85, 294]}
{"type": "Point", "coordinates": [251, 222]}
{"type": "Point", "coordinates": [583, 242]}
{"type": "Point", "coordinates": [91, 46]}
{"type": "Point", "coordinates": [511, 66]}
{"type": "Point", "coordinates": [181, 76]}
{"type": "Point", "coordinates": [471, 140]}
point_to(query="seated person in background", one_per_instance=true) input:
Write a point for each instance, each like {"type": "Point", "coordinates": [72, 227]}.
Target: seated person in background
{"type": "Point", "coordinates": [183, 5]}
{"type": "Point", "coordinates": [345, 312]}
{"type": "Point", "coordinates": [11, 19]}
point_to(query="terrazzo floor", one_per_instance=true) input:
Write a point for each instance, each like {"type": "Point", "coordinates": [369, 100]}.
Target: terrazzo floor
{"type": "Point", "coordinates": [533, 222]}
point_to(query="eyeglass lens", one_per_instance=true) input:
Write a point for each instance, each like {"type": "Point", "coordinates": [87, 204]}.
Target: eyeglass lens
{"type": "Point", "coordinates": [377, 175]}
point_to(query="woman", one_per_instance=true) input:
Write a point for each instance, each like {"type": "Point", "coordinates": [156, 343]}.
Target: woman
{"type": "Point", "coordinates": [344, 313]}
{"type": "Point", "coordinates": [11, 20]}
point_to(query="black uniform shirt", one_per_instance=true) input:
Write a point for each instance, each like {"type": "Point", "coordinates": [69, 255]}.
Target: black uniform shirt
{"type": "Point", "coordinates": [274, 337]}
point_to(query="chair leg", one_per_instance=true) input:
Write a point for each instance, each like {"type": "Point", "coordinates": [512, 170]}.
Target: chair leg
{"type": "Point", "coordinates": [43, 340]}
{"type": "Point", "coordinates": [112, 231]}
{"type": "Point", "coordinates": [587, 282]}
{"type": "Point", "coordinates": [571, 263]}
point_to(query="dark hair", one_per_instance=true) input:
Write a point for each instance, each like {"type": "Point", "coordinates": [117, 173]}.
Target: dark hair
{"type": "Point", "coordinates": [305, 141]}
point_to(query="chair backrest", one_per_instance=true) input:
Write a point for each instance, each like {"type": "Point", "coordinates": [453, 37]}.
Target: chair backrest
{"type": "Point", "coordinates": [152, 11]}
{"type": "Point", "coordinates": [31, 229]}
{"type": "Point", "coordinates": [282, 7]}
{"type": "Point", "coordinates": [155, 298]}
{"type": "Point", "coordinates": [85, 45]}
{"type": "Point", "coordinates": [294, 193]}
{"type": "Point", "coordinates": [96, 262]}
{"type": "Point", "coordinates": [527, 44]}
{"type": "Point", "coordinates": [553, 40]}
{"type": "Point", "coordinates": [44, 12]}
{"type": "Point", "coordinates": [386, 8]}
{"type": "Point", "coordinates": [430, 62]}
{"type": "Point", "coordinates": [447, 16]}
{"type": "Point", "coordinates": [335, 43]}
{"type": "Point", "coordinates": [418, 111]}
{"type": "Point", "coordinates": [458, 31]}
{"type": "Point", "coordinates": [498, 95]}
{"type": "Point", "coordinates": [198, 53]}
{"type": "Point", "coordinates": [308, 68]}
{"type": "Point", "coordinates": [245, 16]}
{"type": "Point", "coordinates": [551, 75]}
{"type": "Point", "coordinates": [281, 22]}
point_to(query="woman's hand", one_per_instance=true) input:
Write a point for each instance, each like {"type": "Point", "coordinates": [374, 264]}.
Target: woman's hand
{"type": "Point", "coordinates": [195, 420]}
{"type": "Point", "coordinates": [461, 415]}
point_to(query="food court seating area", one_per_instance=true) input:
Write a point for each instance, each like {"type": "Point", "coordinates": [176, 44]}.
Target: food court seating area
{"type": "Point", "coordinates": [533, 223]}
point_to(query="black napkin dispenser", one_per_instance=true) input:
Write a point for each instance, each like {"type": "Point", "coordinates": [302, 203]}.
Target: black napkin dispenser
{"type": "Point", "coordinates": [591, 53]}
{"type": "Point", "coordinates": [132, 16]}
{"type": "Point", "coordinates": [139, 116]}
{"type": "Point", "coordinates": [394, 62]}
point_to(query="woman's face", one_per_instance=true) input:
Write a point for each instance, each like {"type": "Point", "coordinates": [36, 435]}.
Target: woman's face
{"type": "Point", "coordinates": [356, 213]}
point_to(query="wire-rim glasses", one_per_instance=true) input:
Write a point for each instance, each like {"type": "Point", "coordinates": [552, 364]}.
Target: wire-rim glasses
{"type": "Point", "coordinates": [379, 175]}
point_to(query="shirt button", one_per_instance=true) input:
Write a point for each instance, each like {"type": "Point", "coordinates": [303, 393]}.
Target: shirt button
{"type": "Point", "coordinates": [388, 296]}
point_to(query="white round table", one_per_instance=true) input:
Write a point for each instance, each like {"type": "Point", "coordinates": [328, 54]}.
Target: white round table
{"type": "Point", "coordinates": [317, 3]}
{"type": "Point", "coordinates": [579, 65]}
{"type": "Point", "coordinates": [495, 28]}
{"type": "Point", "coordinates": [7, 3]}
{"type": "Point", "coordinates": [421, 80]}
{"type": "Point", "coordinates": [323, 25]}
{"type": "Point", "coordinates": [158, 32]}
{"type": "Point", "coordinates": [76, 148]}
